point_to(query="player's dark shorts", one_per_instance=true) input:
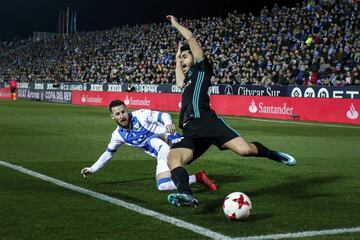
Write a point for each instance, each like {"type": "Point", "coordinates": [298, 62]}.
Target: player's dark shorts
{"type": "Point", "coordinates": [12, 90]}
{"type": "Point", "coordinates": [200, 133]}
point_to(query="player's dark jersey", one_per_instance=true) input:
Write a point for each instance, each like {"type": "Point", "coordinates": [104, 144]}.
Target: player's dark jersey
{"type": "Point", "coordinates": [196, 94]}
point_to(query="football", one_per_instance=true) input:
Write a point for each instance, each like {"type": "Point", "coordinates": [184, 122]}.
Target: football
{"type": "Point", "coordinates": [237, 205]}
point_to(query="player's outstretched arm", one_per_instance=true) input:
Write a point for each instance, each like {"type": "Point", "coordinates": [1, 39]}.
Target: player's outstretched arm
{"type": "Point", "coordinates": [195, 48]}
{"type": "Point", "coordinates": [101, 162]}
{"type": "Point", "coordinates": [179, 73]}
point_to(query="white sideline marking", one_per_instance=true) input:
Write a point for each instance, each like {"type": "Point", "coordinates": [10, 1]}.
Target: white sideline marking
{"type": "Point", "coordinates": [177, 222]}
{"type": "Point", "coordinates": [301, 234]}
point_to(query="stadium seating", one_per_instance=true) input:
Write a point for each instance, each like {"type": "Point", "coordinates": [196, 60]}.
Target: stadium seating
{"type": "Point", "coordinates": [313, 43]}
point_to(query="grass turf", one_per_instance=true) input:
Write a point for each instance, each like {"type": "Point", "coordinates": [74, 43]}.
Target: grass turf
{"type": "Point", "coordinates": [57, 140]}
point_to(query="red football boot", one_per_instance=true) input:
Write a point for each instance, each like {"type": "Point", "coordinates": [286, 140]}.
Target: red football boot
{"type": "Point", "coordinates": [202, 177]}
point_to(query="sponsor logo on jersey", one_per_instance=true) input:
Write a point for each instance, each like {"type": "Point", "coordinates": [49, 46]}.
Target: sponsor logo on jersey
{"type": "Point", "coordinates": [137, 126]}
{"type": "Point", "coordinates": [187, 84]}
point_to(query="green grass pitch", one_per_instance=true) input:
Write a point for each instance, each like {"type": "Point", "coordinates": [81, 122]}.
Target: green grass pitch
{"type": "Point", "coordinates": [321, 192]}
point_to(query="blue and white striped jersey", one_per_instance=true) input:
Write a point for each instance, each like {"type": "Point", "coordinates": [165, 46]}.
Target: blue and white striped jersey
{"type": "Point", "coordinates": [145, 125]}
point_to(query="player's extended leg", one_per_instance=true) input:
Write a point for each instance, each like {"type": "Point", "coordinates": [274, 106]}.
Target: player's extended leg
{"type": "Point", "coordinates": [165, 183]}
{"type": "Point", "coordinates": [240, 146]}
{"type": "Point", "coordinates": [163, 175]}
{"type": "Point", "coordinates": [177, 158]}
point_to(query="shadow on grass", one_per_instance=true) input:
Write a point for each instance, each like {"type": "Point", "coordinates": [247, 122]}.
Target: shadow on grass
{"type": "Point", "coordinates": [125, 181]}
{"type": "Point", "coordinates": [226, 178]}
{"type": "Point", "coordinates": [121, 189]}
{"type": "Point", "coordinates": [298, 188]}
{"type": "Point", "coordinates": [125, 197]}
{"type": "Point", "coordinates": [258, 217]}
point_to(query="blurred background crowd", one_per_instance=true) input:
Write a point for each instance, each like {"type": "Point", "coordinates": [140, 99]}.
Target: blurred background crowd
{"type": "Point", "coordinates": [313, 43]}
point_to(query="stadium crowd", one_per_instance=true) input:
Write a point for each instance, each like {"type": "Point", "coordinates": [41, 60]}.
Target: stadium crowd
{"type": "Point", "coordinates": [313, 43]}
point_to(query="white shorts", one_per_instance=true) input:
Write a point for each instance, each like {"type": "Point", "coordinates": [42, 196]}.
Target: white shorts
{"type": "Point", "coordinates": [162, 153]}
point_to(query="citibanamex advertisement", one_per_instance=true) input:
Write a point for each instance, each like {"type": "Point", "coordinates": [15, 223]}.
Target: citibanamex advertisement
{"type": "Point", "coordinates": [287, 108]}
{"type": "Point", "coordinates": [5, 93]}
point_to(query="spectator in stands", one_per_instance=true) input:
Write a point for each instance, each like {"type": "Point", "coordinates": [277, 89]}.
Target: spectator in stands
{"type": "Point", "coordinates": [302, 38]}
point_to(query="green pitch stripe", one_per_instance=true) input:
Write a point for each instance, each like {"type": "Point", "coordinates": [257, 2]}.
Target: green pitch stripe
{"type": "Point", "coordinates": [196, 95]}
{"type": "Point", "coordinates": [147, 212]}
{"type": "Point", "coordinates": [229, 126]}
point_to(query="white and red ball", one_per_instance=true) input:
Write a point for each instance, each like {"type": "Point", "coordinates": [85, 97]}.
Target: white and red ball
{"type": "Point", "coordinates": [237, 205]}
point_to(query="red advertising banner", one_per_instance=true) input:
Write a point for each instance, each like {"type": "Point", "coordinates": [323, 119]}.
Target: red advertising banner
{"type": "Point", "coordinates": [156, 101]}
{"type": "Point", "coordinates": [5, 93]}
{"type": "Point", "coordinates": [306, 109]}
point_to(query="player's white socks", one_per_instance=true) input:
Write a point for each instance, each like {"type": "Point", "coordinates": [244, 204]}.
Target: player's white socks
{"type": "Point", "coordinates": [169, 185]}
{"type": "Point", "coordinates": [192, 179]}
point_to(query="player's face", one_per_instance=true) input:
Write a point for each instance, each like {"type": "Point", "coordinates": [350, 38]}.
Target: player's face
{"type": "Point", "coordinates": [121, 116]}
{"type": "Point", "coordinates": [186, 60]}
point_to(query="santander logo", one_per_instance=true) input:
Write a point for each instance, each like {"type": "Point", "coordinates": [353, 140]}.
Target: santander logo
{"type": "Point", "coordinates": [262, 108]}
{"type": "Point", "coordinates": [352, 113]}
{"type": "Point", "coordinates": [137, 102]}
{"type": "Point", "coordinates": [127, 101]}
{"type": "Point", "coordinates": [252, 107]}
{"type": "Point", "coordinates": [87, 99]}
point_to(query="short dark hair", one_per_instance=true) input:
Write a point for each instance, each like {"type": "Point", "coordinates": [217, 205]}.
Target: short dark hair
{"type": "Point", "coordinates": [185, 47]}
{"type": "Point", "coordinates": [115, 103]}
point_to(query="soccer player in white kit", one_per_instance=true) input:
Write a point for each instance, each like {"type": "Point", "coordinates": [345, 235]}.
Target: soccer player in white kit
{"type": "Point", "coordinates": [152, 132]}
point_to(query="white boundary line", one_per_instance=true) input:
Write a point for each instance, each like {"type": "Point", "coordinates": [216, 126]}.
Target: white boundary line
{"type": "Point", "coordinates": [177, 222]}
{"type": "Point", "coordinates": [302, 234]}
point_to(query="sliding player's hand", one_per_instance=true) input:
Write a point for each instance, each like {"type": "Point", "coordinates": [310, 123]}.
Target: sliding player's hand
{"type": "Point", "coordinates": [85, 172]}
{"type": "Point", "coordinates": [171, 128]}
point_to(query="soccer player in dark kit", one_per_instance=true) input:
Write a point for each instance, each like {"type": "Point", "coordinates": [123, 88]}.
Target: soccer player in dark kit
{"type": "Point", "coordinates": [200, 124]}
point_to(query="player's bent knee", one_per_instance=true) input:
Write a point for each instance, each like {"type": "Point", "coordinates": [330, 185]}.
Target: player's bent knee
{"type": "Point", "coordinates": [240, 146]}
{"type": "Point", "coordinates": [177, 157]}
{"type": "Point", "coordinates": [244, 150]}
{"type": "Point", "coordinates": [247, 151]}
{"type": "Point", "coordinates": [173, 164]}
